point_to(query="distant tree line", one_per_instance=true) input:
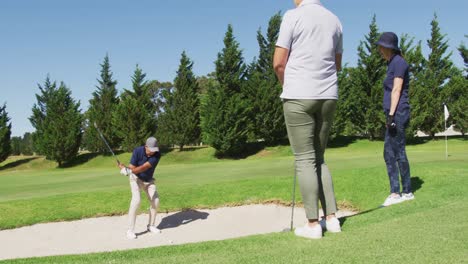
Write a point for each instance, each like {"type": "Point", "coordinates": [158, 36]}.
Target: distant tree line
{"type": "Point", "coordinates": [237, 104]}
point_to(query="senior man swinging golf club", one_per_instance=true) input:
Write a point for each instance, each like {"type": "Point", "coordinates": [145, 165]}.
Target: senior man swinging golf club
{"type": "Point", "coordinates": [140, 171]}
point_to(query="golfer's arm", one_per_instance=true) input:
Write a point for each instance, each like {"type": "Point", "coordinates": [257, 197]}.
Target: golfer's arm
{"type": "Point", "coordinates": [338, 59]}
{"type": "Point", "coordinates": [396, 92]}
{"type": "Point", "coordinates": [139, 169]}
{"type": "Point", "coordinates": [280, 58]}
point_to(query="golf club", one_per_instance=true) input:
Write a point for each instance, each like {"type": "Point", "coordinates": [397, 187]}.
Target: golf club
{"type": "Point", "coordinates": [293, 200]}
{"type": "Point", "coordinates": [293, 204]}
{"type": "Point", "coordinates": [105, 141]}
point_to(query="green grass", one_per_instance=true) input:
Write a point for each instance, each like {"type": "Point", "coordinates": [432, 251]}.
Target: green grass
{"type": "Point", "coordinates": [33, 192]}
{"type": "Point", "coordinates": [430, 229]}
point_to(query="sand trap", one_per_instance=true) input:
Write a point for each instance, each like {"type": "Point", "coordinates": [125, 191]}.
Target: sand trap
{"type": "Point", "coordinates": [108, 233]}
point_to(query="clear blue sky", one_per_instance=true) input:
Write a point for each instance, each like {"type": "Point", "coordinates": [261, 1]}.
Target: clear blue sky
{"type": "Point", "coordinates": [68, 39]}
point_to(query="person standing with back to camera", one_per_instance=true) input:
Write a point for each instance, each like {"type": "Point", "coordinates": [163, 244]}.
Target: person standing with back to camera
{"type": "Point", "coordinates": [397, 110]}
{"type": "Point", "coordinates": [307, 58]}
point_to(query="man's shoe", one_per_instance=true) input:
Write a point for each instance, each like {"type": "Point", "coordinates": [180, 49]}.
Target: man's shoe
{"type": "Point", "coordinates": [333, 225]}
{"type": "Point", "coordinates": [154, 229]}
{"type": "Point", "coordinates": [392, 200]}
{"type": "Point", "coordinates": [309, 232]}
{"type": "Point", "coordinates": [131, 234]}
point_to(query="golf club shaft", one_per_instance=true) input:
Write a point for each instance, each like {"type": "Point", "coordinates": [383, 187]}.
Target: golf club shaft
{"type": "Point", "coordinates": [105, 141]}
{"type": "Point", "coordinates": [293, 199]}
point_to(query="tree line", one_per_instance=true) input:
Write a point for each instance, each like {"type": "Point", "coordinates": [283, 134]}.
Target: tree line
{"type": "Point", "coordinates": [238, 104]}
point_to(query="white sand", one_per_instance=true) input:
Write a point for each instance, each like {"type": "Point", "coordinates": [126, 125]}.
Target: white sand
{"type": "Point", "coordinates": [109, 233]}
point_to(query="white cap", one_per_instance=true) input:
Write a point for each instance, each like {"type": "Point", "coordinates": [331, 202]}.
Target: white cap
{"type": "Point", "coordinates": [152, 144]}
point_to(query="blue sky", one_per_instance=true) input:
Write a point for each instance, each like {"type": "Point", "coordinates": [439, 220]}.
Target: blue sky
{"type": "Point", "coordinates": [68, 39]}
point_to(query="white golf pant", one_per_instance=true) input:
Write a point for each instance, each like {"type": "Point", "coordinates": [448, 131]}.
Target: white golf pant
{"type": "Point", "coordinates": [150, 190]}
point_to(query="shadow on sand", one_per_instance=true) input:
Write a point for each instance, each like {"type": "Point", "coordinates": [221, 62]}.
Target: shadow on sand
{"type": "Point", "coordinates": [181, 218]}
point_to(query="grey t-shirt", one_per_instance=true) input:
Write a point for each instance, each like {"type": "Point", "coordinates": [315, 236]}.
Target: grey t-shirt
{"type": "Point", "coordinates": [313, 35]}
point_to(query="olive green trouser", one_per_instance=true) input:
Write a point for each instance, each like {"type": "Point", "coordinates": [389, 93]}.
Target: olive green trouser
{"type": "Point", "coordinates": [308, 123]}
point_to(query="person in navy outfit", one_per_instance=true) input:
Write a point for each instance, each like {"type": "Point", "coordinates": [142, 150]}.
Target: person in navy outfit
{"type": "Point", "coordinates": [140, 171]}
{"type": "Point", "coordinates": [397, 110]}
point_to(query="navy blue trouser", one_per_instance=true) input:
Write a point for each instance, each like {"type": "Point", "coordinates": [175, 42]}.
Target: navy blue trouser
{"type": "Point", "coordinates": [395, 154]}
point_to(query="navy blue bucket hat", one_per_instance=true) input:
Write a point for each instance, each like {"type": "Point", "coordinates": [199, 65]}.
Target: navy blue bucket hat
{"type": "Point", "coordinates": [388, 40]}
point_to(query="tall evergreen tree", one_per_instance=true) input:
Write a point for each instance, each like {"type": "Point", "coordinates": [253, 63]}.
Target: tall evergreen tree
{"type": "Point", "coordinates": [263, 89]}
{"type": "Point", "coordinates": [58, 122]}
{"type": "Point", "coordinates": [367, 91]}
{"type": "Point", "coordinates": [135, 116]}
{"type": "Point", "coordinates": [426, 99]}
{"type": "Point", "coordinates": [345, 109]}
{"type": "Point", "coordinates": [455, 95]}
{"type": "Point", "coordinates": [416, 61]}
{"type": "Point", "coordinates": [16, 146]}
{"type": "Point", "coordinates": [224, 109]}
{"type": "Point", "coordinates": [413, 55]}
{"type": "Point", "coordinates": [464, 53]}
{"type": "Point", "coordinates": [39, 113]}
{"type": "Point", "coordinates": [27, 144]}
{"type": "Point", "coordinates": [181, 120]}
{"type": "Point", "coordinates": [230, 67]}
{"type": "Point", "coordinates": [101, 109]}
{"type": "Point", "coordinates": [159, 91]}
{"type": "Point", "coordinates": [206, 82]}
{"type": "Point", "coordinates": [5, 134]}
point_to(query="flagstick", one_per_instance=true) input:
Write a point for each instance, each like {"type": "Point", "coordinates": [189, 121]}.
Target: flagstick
{"type": "Point", "coordinates": [446, 145]}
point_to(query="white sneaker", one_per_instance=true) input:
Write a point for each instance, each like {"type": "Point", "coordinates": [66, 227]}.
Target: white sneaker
{"type": "Point", "coordinates": [153, 229]}
{"type": "Point", "coordinates": [407, 196]}
{"type": "Point", "coordinates": [333, 225]}
{"type": "Point", "coordinates": [131, 234]}
{"type": "Point", "coordinates": [392, 200]}
{"type": "Point", "coordinates": [309, 232]}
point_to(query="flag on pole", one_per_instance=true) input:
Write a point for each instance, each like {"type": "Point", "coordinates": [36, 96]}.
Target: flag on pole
{"type": "Point", "coordinates": [446, 112]}
{"type": "Point", "coordinates": [446, 115]}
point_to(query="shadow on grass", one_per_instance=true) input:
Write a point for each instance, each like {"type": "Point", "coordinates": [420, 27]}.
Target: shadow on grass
{"type": "Point", "coordinates": [249, 149]}
{"type": "Point", "coordinates": [343, 219]}
{"type": "Point", "coordinates": [181, 218]}
{"type": "Point", "coordinates": [164, 150]}
{"type": "Point", "coordinates": [80, 159]}
{"type": "Point", "coordinates": [341, 141]}
{"type": "Point", "coordinates": [416, 184]}
{"type": "Point", "coordinates": [423, 140]}
{"type": "Point", "coordinates": [85, 157]}
{"type": "Point", "coordinates": [413, 141]}
{"type": "Point", "coordinates": [191, 148]}
{"type": "Point", "coordinates": [17, 163]}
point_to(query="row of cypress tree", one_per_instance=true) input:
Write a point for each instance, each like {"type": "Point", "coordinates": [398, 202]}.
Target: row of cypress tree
{"type": "Point", "coordinates": [238, 104]}
{"type": "Point", "coordinates": [435, 81]}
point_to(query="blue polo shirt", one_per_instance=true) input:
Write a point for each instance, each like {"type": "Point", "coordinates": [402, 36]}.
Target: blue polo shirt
{"type": "Point", "coordinates": [397, 67]}
{"type": "Point", "coordinates": [139, 158]}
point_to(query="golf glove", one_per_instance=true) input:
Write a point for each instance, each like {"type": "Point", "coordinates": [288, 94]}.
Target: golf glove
{"type": "Point", "coordinates": [391, 122]}
{"type": "Point", "coordinates": [125, 171]}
